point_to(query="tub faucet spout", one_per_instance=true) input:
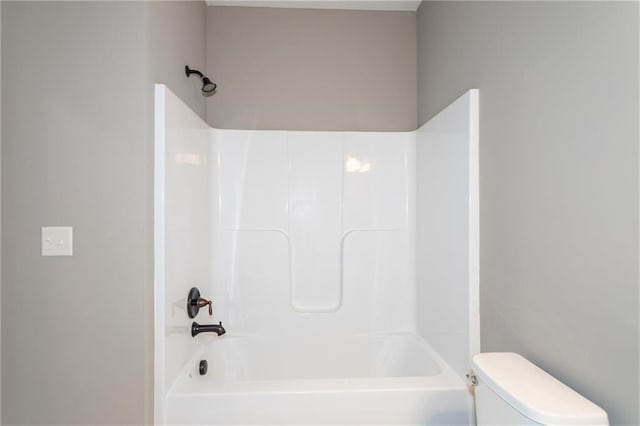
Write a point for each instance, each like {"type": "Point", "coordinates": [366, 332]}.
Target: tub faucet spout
{"type": "Point", "coordinates": [214, 328]}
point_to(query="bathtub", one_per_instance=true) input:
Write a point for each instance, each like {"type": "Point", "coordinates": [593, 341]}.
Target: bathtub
{"type": "Point", "coordinates": [390, 379]}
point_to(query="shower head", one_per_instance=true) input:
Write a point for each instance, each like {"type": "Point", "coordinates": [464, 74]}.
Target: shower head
{"type": "Point", "coordinates": [208, 86]}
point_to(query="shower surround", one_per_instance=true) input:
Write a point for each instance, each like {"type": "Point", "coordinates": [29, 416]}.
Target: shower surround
{"type": "Point", "coordinates": [343, 265]}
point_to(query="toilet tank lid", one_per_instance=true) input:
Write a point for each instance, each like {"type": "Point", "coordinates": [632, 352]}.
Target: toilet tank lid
{"type": "Point", "coordinates": [535, 393]}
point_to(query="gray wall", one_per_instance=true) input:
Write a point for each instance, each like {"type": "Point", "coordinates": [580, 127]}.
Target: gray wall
{"type": "Point", "coordinates": [306, 69]}
{"type": "Point", "coordinates": [73, 154]}
{"type": "Point", "coordinates": [78, 150]}
{"type": "Point", "coordinates": [559, 179]}
{"type": "Point", "coordinates": [177, 37]}
{"type": "Point", "coordinates": [0, 212]}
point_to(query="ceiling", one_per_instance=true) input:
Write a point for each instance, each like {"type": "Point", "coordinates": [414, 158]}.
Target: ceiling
{"type": "Point", "coordinates": [406, 5]}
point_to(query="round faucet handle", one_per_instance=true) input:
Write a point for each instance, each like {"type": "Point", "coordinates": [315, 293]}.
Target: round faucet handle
{"type": "Point", "coordinates": [195, 302]}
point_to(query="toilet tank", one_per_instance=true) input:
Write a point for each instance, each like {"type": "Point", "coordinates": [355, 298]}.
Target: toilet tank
{"type": "Point", "coordinates": [511, 390]}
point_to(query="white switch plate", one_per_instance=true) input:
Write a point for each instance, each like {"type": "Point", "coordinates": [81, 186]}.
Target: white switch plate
{"type": "Point", "coordinates": [57, 241]}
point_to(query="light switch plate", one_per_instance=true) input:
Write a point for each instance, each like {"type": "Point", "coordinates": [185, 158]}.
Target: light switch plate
{"type": "Point", "coordinates": [57, 241]}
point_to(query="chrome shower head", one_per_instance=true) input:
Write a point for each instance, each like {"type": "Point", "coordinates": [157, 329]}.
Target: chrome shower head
{"type": "Point", "coordinates": [208, 86]}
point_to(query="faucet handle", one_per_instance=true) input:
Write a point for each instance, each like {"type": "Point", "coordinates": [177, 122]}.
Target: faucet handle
{"type": "Point", "coordinates": [195, 302]}
{"type": "Point", "coordinates": [202, 302]}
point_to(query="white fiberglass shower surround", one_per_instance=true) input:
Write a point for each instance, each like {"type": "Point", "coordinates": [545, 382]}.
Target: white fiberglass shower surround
{"type": "Point", "coordinates": [343, 266]}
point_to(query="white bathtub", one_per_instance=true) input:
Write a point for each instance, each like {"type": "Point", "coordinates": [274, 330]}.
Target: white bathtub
{"type": "Point", "coordinates": [391, 379]}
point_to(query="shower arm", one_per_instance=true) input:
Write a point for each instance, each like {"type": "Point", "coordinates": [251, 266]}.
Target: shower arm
{"type": "Point", "coordinates": [188, 71]}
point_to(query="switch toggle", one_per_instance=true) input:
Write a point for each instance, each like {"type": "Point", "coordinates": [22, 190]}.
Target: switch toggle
{"type": "Point", "coordinates": [57, 241]}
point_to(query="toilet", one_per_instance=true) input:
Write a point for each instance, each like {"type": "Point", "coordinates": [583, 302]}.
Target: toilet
{"type": "Point", "coordinates": [510, 390]}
